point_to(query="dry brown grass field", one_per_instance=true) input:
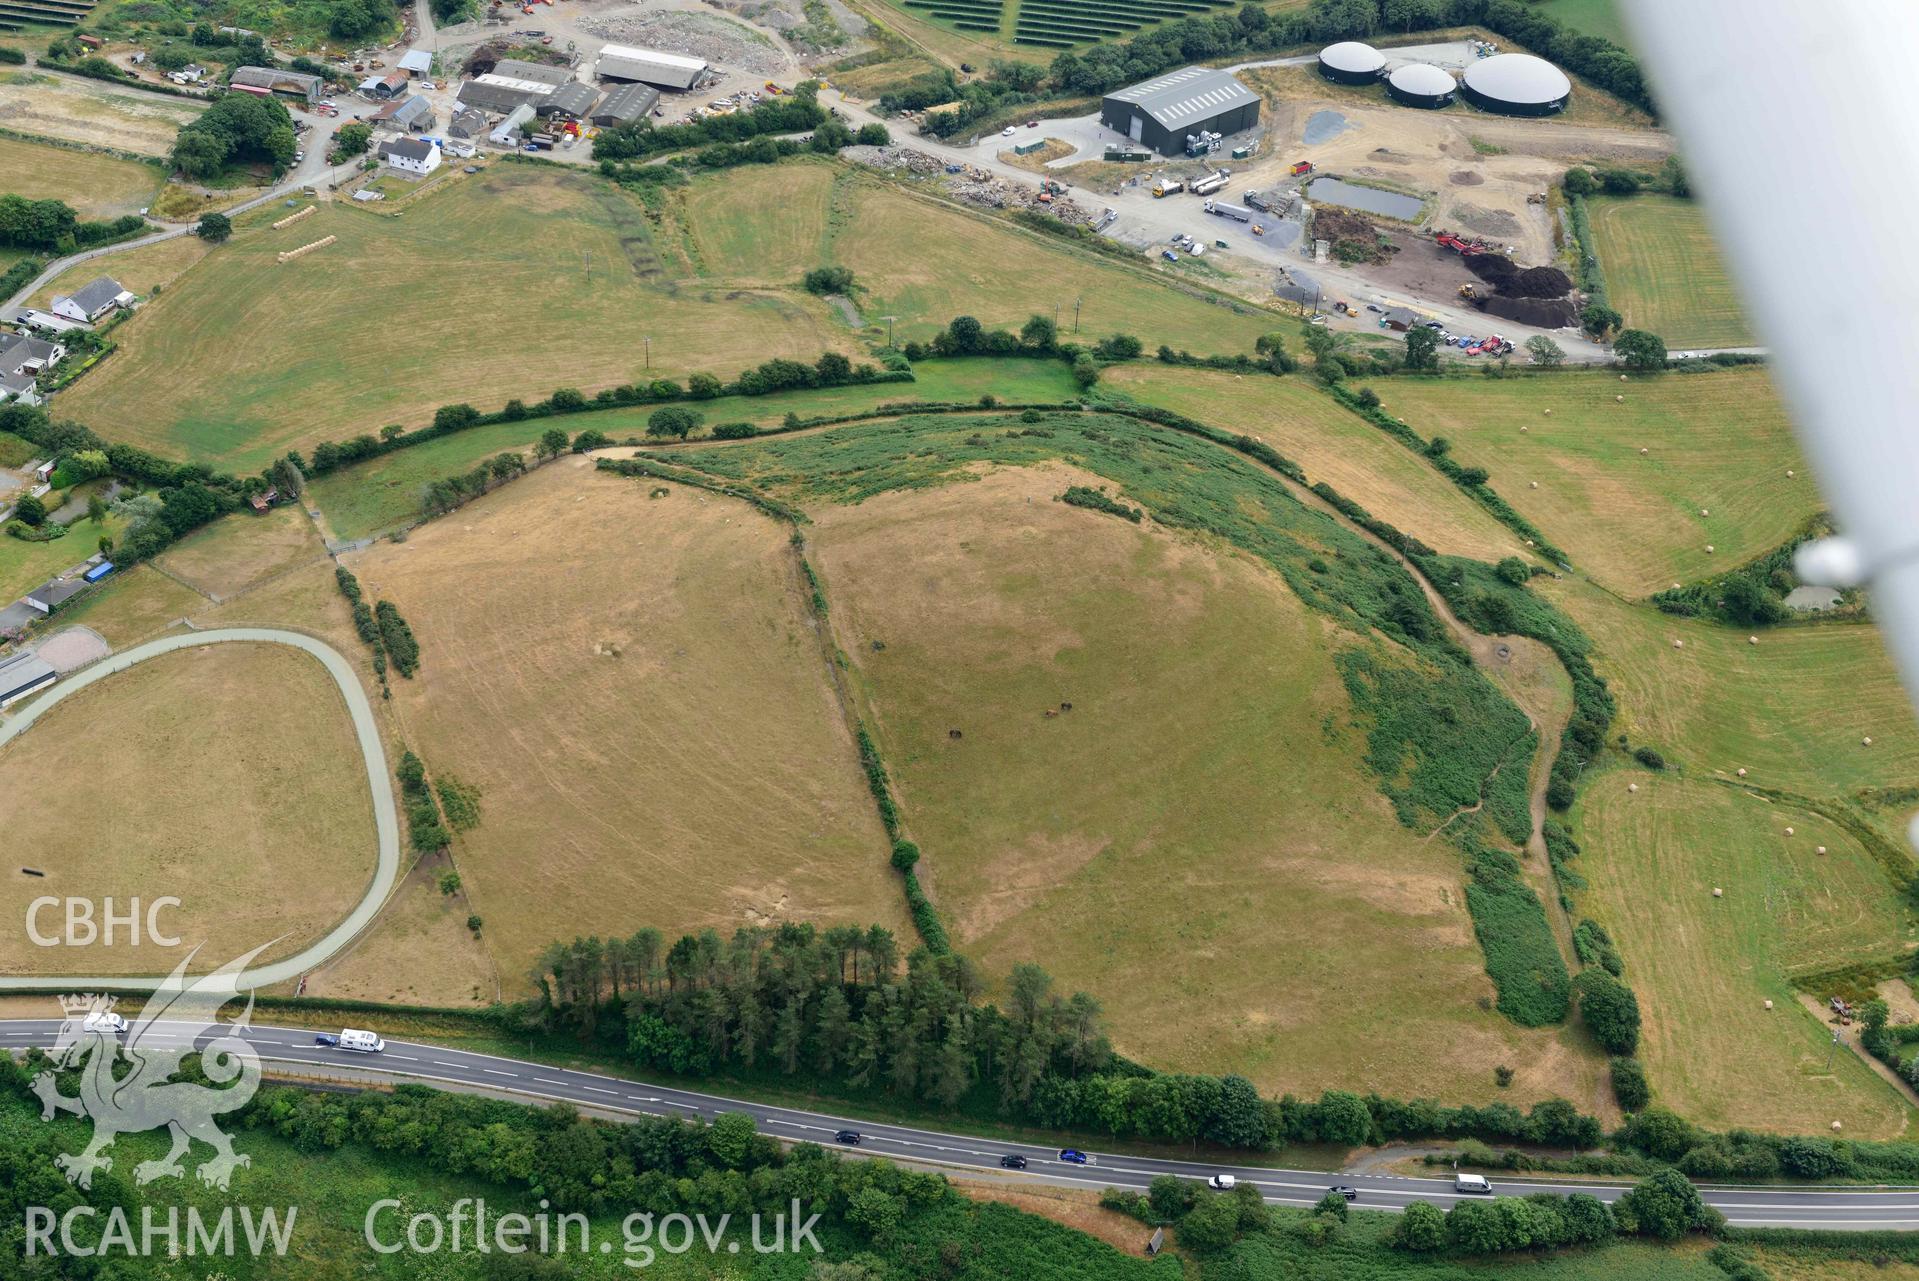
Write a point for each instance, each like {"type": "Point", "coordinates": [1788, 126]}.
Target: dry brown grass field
{"type": "Point", "coordinates": [243, 550]}
{"type": "Point", "coordinates": [1718, 447]}
{"type": "Point", "coordinates": [1195, 842]}
{"type": "Point", "coordinates": [418, 952]}
{"type": "Point", "coordinates": [96, 186]}
{"type": "Point", "coordinates": [134, 605]}
{"type": "Point", "coordinates": [634, 686]}
{"type": "Point", "coordinates": [92, 112]}
{"type": "Point", "coordinates": [226, 776]}
{"type": "Point", "coordinates": [141, 270]}
{"type": "Point", "coordinates": [566, 261]}
{"type": "Point", "coordinates": [1334, 445]}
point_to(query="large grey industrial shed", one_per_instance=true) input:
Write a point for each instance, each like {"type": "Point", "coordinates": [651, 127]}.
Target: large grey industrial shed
{"type": "Point", "coordinates": [626, 104]}
{"type": "Point", "coordinates": [538, 72]}
{"type": "Point", "coordinates": [500, 94]}
{"type": "Point", "coordinates": [649, 66]}
{"type": "Point", "coordinates": [1161, 113]}
{"type": "Point", "coordinates": [570, 99]}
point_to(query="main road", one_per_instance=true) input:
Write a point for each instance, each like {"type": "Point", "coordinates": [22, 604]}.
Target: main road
{"type": "Point", "coordinates": [1829, 1207]}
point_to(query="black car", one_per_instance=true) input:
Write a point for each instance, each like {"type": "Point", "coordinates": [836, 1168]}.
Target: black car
{"type": "Point", "coordinates": [1345, 1190]}
{"type": "Point", "coordinates": [1012, 1162]}
{"type": "Point", "coordinates": [851, 1137]}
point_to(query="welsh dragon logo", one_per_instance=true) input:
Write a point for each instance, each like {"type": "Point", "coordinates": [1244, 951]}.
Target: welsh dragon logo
{"type": "Point", "coordinates": [180, 1019]}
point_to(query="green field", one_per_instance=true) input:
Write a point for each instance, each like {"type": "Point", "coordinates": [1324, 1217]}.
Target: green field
{"type": "Point", "coordinates": [926, 263]}
{"type": "Point", "coordinates": [1589, 17]}
{"type": "Point", "coordinates": [727, 220]}
{"type": "Point", "coordinates": [1664, 272]}
{"type": "Point", "coordinates": [363, 500]}
{"type": "Point", "coordinates": [1099, 840]}
{"type": "Point", "coordinates": [1717, 442]}
{"type": "Point", "coordinates": [1708, 965]}
{"type": "Point", "coordinates": [96, 186]}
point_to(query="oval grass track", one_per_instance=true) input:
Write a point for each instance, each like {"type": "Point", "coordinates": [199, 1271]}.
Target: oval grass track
{"type": "Point", "coordinates": [385, 814]}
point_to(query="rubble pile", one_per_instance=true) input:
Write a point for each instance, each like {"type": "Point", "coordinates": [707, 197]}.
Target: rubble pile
{"type": "Point", "coordinates": [709, 37]}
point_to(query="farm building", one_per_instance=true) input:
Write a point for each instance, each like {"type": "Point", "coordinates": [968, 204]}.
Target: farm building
{"type": "Point", "coordinates": [1351, 63]}
{"type": "Point", "coordinates": [501, 94]}
{"type": "Point", "coordinates": [626, 104]}
{"type": "Point", "coordinates": [384, 87]}
{"type": "Point", "coordinates": [92, 300]}
{"type": "Point", "coordinates": [294, 84]}
{"type": "Point", "coordinates": [23, 673]}
{"type": "Point", "coordinates": [1421, 84]}
{"type": "Point", "coordinates": [1161, 113]}
{"type": "Point", "coordinates": [538, 72]}
{"type": "Point", "coordinates": [571, 99]}
{"type": "Point", "coordinates": [1399, 318]}
{"type": "Point", "coordinates": [648, 66]}
{"type": "Point", "coordinates": [416, 62]}
{"type": "Point", "coordinates": [1517, 84]}
{"type": "Point", "coordinates": [411, 155]}
{"type": "Point", "coordinates": [507, 133]}
{"type": "Point", "coordinates": [466, 123]}
{"type": "Point", "coordinates": [51, 595]}
{"type": "Point", "coordinates": [413, 114]}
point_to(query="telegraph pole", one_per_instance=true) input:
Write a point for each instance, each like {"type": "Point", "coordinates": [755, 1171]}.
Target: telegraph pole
{"type": "Point", "coordinates": [649, 351]}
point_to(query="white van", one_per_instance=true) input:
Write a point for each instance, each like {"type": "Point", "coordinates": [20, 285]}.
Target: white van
{"type": "Point", "coordinates": [1473, 1184]}
{"type": "Point", "coordinates": [365, 1042]}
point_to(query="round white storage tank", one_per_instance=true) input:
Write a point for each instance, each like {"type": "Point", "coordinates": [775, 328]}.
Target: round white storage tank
{"type": "Point", "coordinates": [1351, 63]}
{"type": "Point", "coordinates": [1517, 84]}
{"type": "Point", "coordinates": [1421, 84]}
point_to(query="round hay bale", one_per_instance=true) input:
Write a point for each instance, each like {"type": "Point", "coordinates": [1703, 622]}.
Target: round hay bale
{"type": "Point", "coordinates": [1752, 640]}
{"type": "Point", "coordinates": [1835, 1125]}
{"type": "Point", "coordinates": [1704, 512]}
{"type": "Point", "coordinates": [1524, 427]}
{"type": "Point", "coordinates": [1788, 470]}
{"type": "Point", "coordinates": [1769, 1005]}
{"type": "Point", "coordinates": [1789, 831]}
{"type": "Point", "coordinates": [1533, 483]}
{"type": "Point", "coordinates": [1643, 452]}
{"type": "Point", "coordinates": [1622, 378]}
{"type": "Point", "coordinates": [1632, 787]}
{"type": "Point", "coordinates": [1529, 542]}
{"type": "Point", "coordinates": [1818, 849]}
{"type": "Point", "coordinates": [1717, 892]}
{"type": "Point", "coordinates": [1742, 771]}
{"type": "Point", "coordinates": [1620, 399]}
{"type": "Point", "coordinates": [1679, 644]}
{"type": "Point", "coordinates": [1866, 741]}
{"type": "Point", "coordinates": [1708, 546]}
{"type": "Point", "coordinates": [1549, 414]}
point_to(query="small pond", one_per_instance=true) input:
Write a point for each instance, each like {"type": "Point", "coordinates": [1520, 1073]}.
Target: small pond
{"type": "Point", "coordinates": [1387, 204]}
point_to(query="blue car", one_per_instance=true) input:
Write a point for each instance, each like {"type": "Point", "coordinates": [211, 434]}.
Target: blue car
{"type": "Point", "coordinates": [327, 1039]}
{"type": "Point", "coordinates": [1072, 1156]}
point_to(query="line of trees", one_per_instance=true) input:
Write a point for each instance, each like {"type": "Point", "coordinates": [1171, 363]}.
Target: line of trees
{"type": "Point", "coordinates": [779, 374]}
{"type": "Point", "coordinates": [792, 113]}
{"type": "Point", "coordinates": [52, 225]}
